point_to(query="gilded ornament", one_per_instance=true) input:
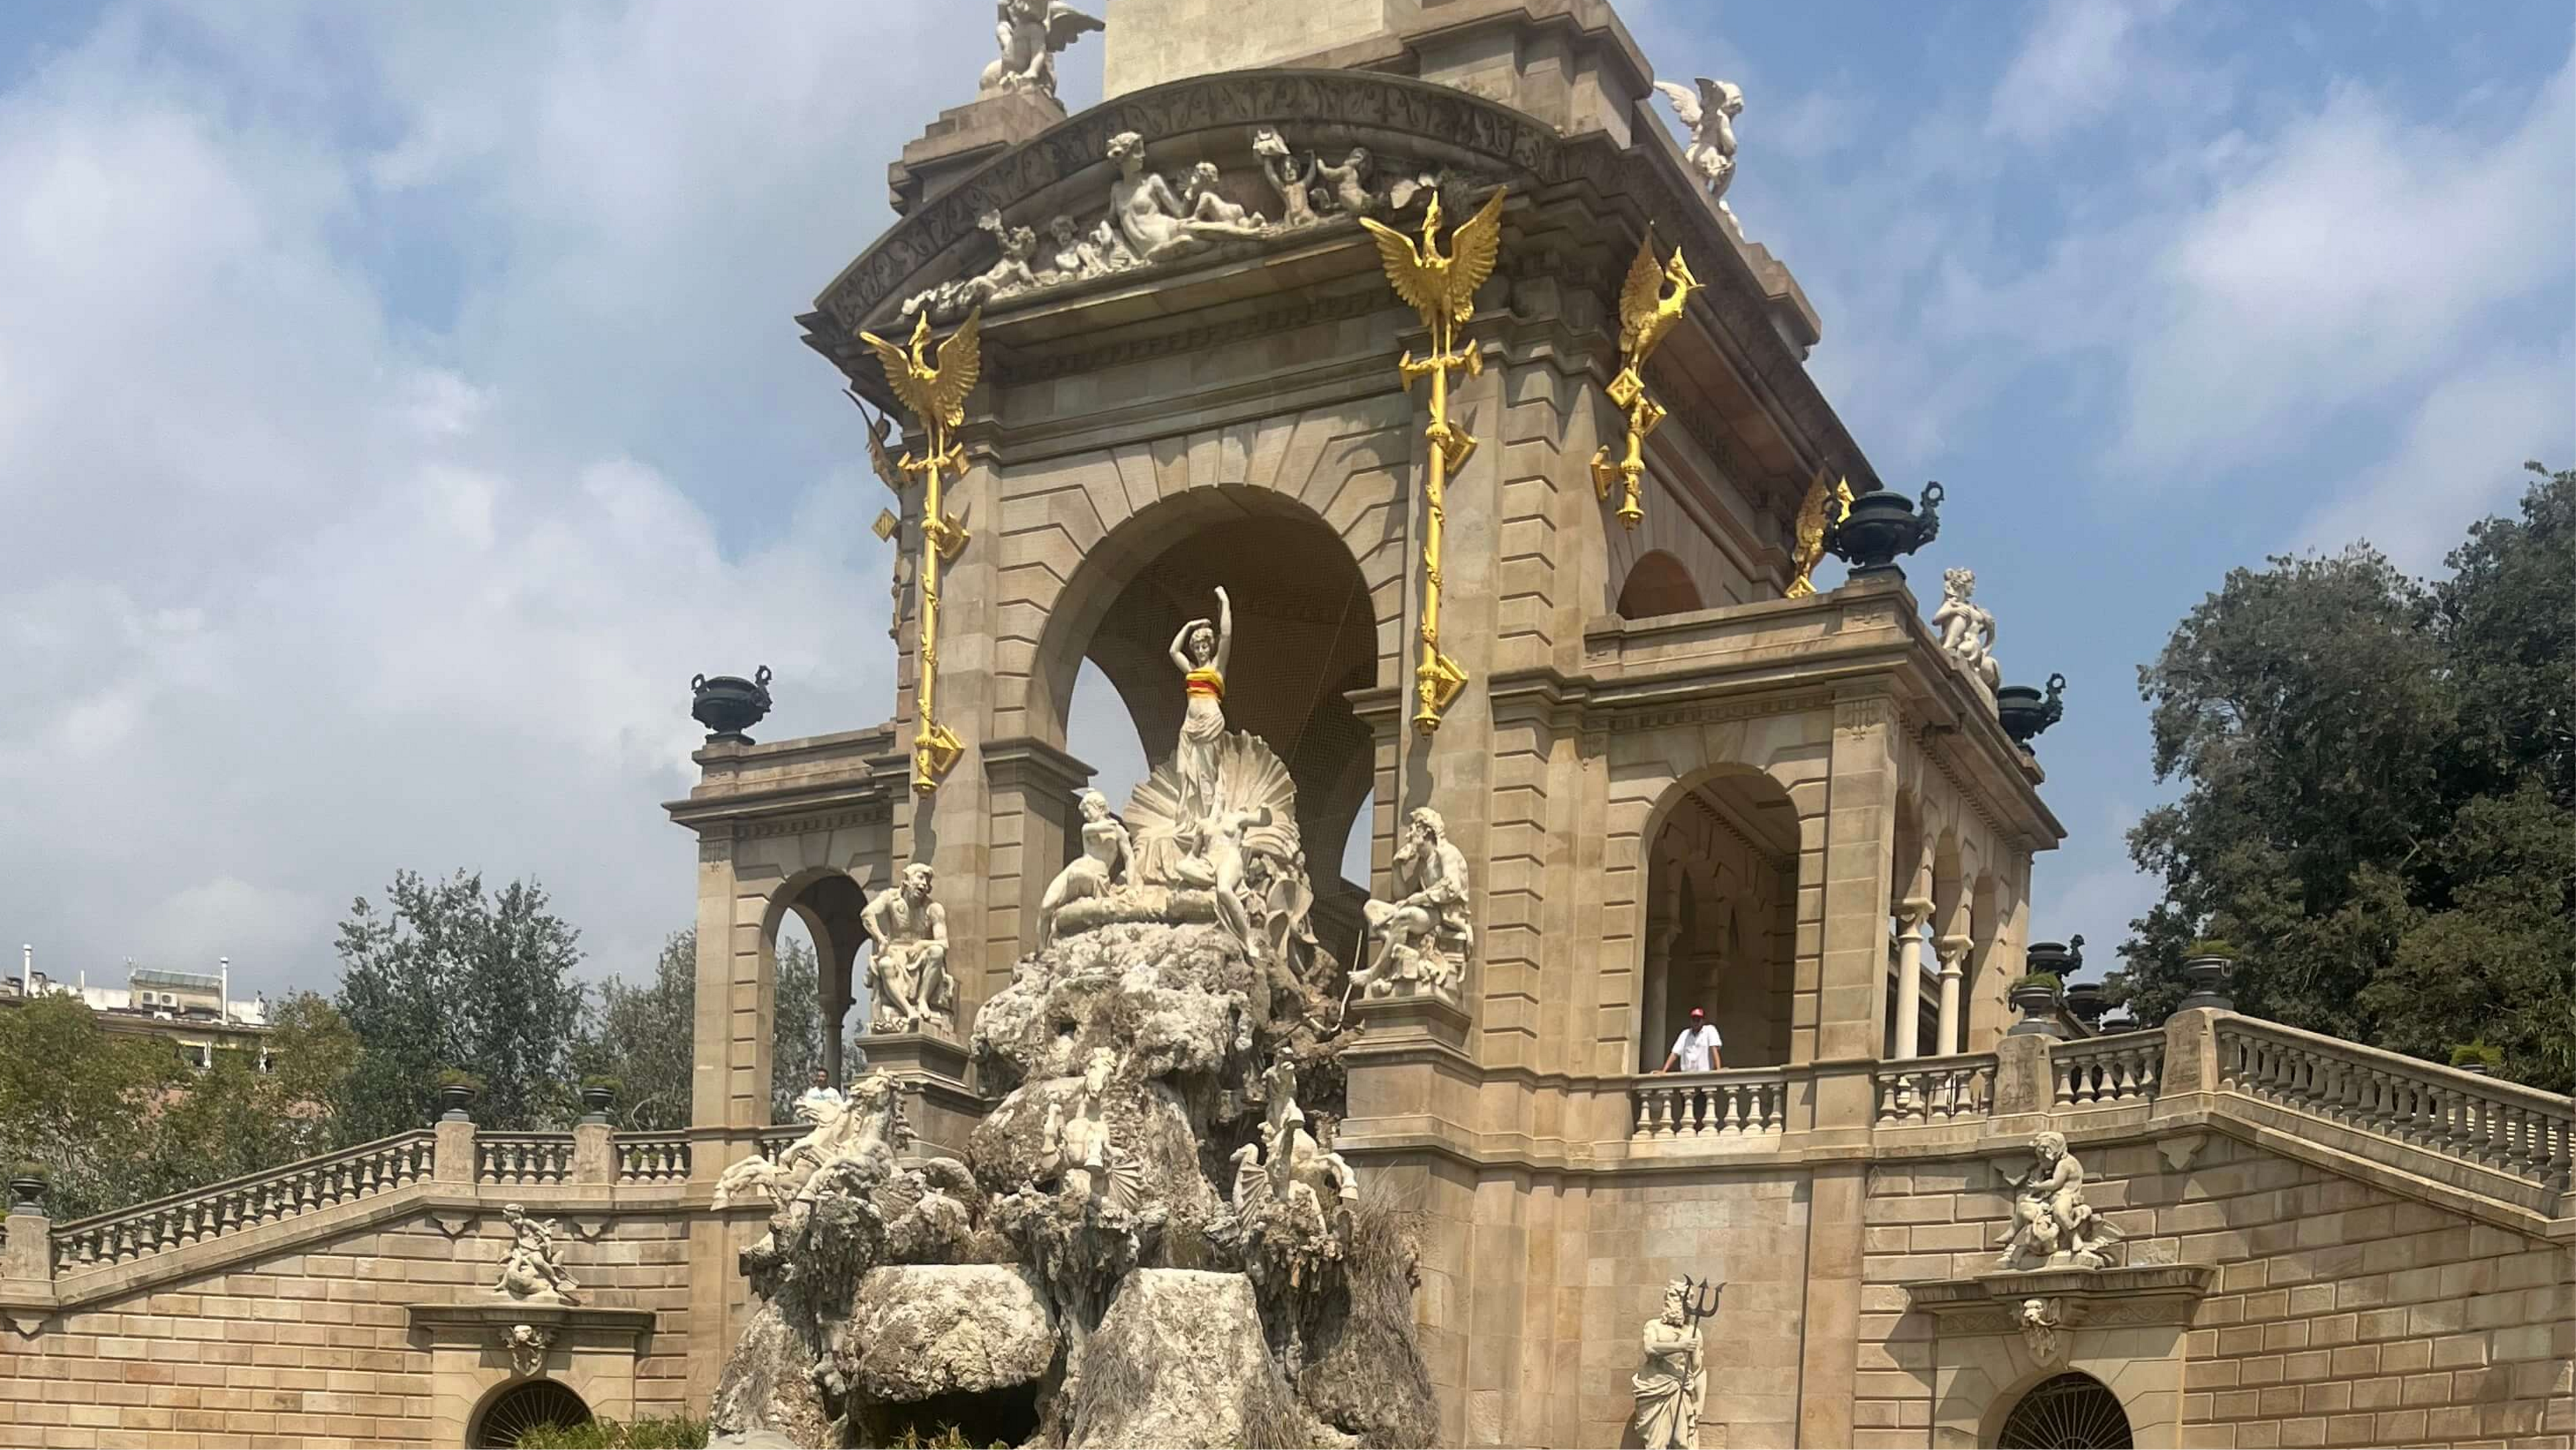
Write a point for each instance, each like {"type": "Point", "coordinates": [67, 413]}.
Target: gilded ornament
{"type": "Point", "coordinates": [1443, 290]}
{"type": "Point", "coordinates": [934, 391]}
{"type": "Point", "coordinates": [1650, 302]}
{"type": "Point", "coordinates": [1817, 516]}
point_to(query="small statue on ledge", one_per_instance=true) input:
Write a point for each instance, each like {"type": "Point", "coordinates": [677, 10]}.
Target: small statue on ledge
{"type": "Point", "coordinates": [1967, 628]}
{"type": "Point", "coordinates": [1031, 33]}
{"type": "Point", "coordinates": [1105, 847]}
{"type": "Point", "coordinates": [908, 971]}
{"type": "Point", "coordinates": [1423, 935]}
{"type": "Point", "coordinates": [531, 1271]}
{"type": "Point", "coordinates": [1709, 113]}
{"type": "Point", "coordinates": [2053, 1227]}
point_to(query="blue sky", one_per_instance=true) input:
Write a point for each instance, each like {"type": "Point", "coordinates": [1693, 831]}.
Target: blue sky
{"type": "Point", "coordinates": [399, 404]}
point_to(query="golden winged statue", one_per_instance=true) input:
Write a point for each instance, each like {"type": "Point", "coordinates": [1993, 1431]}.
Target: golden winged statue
{"type": "Point", "coordinates": [1650, 302]}
{"type": "Point", "coordinates": [1443, 290]}
{"type": "Point", "coordinates": [1817, 516]}
{"type": "Point", "coordinates": [933, 389]}
{"type": "Point", "coordinates": [881, 458]}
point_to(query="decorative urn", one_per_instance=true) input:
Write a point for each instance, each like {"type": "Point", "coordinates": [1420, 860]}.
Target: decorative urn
{"type": "Point", "coordinates": [2087, 1001]}
{"type": "Point", "coordinates": [26, 1191]}
{"type": "Point", "coordinates": [453, 1099]}
{"type": "Point", "coordinates": [2035, 998]}
{"type": "Point", "coordinates": [2208, 976]}
{"type": "Point", "coordinates": [729, 704]}
{"type": "Point", "coordinates": [1882, 526]}
{"type": "Point", "coordinates": [2025, 713]}
{"type": "Point", "coordinates": [595, 1099]}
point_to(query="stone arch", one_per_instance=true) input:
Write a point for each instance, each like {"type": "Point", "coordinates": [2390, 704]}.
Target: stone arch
{"type": "Point", "coordinates": [2067, 1408]}
{"type": "Point", "coordinates": [1658, 584]}
{"type": "Point", "coordinates": [1317, 595]}
{"type": "Point", "coordinates": [828, 901]}
{"type": "Point", "coordinates": [1723, 850]}
{"type": "Point", "coordinates": [514, 1406]}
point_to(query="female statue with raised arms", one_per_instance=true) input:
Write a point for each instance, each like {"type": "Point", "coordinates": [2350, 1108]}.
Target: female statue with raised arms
{"type": "Point", "coordinates": [1199, 652]}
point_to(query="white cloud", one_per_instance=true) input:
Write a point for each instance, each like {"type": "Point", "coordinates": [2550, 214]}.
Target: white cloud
{"type": "Point", "coordinates": [308, 580]}
{"type": "Point", "coordinates": [2082, 59]}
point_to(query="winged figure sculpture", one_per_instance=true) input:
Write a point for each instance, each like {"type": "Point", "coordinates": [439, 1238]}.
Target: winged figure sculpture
{"type": "Point", "coordinates": [934, 389]}
{"type": "Point", "coordinates": [1652, 299]}
{"type": "Point", "coordinates": [1709, 113]}
{"type": "Point", "coordinates": [1823, 509]}
{"type": "Point", "coordinates": [1442, 289]}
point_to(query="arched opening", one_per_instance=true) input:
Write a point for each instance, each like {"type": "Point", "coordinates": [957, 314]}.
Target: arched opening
{"type": "Point", "coordinates": [1658, 584]}
{"type": "Point", "coordinates": [1305, 635]}
{"type": "Point", "coordinates": [524, 1407]}
{"type": "Point", "coordinates": [826, 905]}
{"type": "Point", "coordinates": [2066, 1412]}
{"type": "Point", "coordinates": [1721, 924]}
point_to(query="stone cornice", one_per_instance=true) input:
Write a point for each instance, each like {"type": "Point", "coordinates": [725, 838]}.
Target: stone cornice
{"type": "Point", "coordinates": [2092, 1298]}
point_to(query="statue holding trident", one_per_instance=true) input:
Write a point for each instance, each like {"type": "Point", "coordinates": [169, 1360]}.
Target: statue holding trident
{"type": "Point", "coordinates": [1673, 1385]}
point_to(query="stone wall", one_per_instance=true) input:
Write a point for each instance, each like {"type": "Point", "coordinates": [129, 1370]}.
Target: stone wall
{"type": "Point", "coordinates": [2343, 1314]}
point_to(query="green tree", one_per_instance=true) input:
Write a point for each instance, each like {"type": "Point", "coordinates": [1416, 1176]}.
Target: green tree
{"type": "Point", "coordinates": [644, 1036]}
{"type": "Point", "coordinates": [795, 1027]}
{"type": "Point", "coordinates": [450, 977]}
{"type": "Point", "coordinates": [82, 1100]}
{"type": "Point", "coordinates": [2379, 803]}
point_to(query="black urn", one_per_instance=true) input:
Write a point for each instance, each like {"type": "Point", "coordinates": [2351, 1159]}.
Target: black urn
{"type": "Point", "coordinates": [2025, 712]}
{"type": "Point", "coordinates": [2086, 1002]}
{"type": "Point", "coordinates": [596, 1099]}
{"type": "Point", "coordinates": [26, 1191]}
{"type": "Point", "coordinates": [729, 704]}
{"type": "Point", "coordinates": [1883, 526]}
{"type": "Point", "coordinates": [453, 1099]}
{"type": "Point", "coordinates": [2058, 959]}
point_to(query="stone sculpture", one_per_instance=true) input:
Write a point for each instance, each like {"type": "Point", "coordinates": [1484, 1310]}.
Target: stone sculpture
{"type": "Point", "coordinates": [1423, 936]}
{"type": "Point", "coordinates": [858, 1124]}
{"type": "Point", "coordinates": [2041, 1321]}
{"type": "Point", "coordinates": [1010, 275]}
{"type": "Point", "coordinates": [1345, 187]}
{"type": "Point", "coordinates": [1673, 1384]}
{"type": "Point", "coordinates": [908, 972]}
{"type": "Point", "coordinates": [1105, 847]}
{"type": "Point", "coordinates": [1032, 33]}
{"type": "Point", "coordinates": [1709, 114]}
{"type": "Point", "coordinates": [527, 1345]}
{"type": "Point", "coordinates": [2053, 1227]}
{"type": "Point", "coordinates": [1968, 628]}
{"type": "Point", "coordinates": [1200, 651]}
{"type": "Point", "coordinates": [1074, 256]}
{"type": "Point", "coordinates": [1080, 1155]}
{"type": "Point", "coordinates": [531, 1272]}
{"type": "Point", "coordinates": [1279, 168]}
{"type": "Point", "coordinates": [1155, 222]}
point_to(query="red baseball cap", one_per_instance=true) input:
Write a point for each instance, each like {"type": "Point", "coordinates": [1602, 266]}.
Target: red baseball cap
{"type": "Point", "coordinates": [1695, 1012]}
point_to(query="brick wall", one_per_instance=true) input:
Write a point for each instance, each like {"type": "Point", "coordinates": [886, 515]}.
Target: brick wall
{"type": "Point", "coordinates": [314, 1346]}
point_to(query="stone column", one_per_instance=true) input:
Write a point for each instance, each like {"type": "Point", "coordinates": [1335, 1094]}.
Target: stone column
{"type": "Point", "coordinates": [1910, 916]}
{"type": "Point", "coordinates": [1953, 952]}
{"type": "Point", "coordinates": [594, 1153]}
{"type": "Point", "coordinates": [1654, 1018]}
{"type": "Point", "coordinates": [1035, 822]}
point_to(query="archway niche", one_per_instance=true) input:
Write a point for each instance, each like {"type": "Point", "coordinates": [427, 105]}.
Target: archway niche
{"type": "Point", "coordinates": [827, 904]}
{"type": "Point", "coordinates": [524, 1406]}
{"type": "Point", "coordinates": [1658, 584]}
{"type": "Point", "coordinates": [1721, 920]}
{"type": "Point", "coordinates": [2071, 1411]}
{"type": "Point", "coordinates": [1305, 635]}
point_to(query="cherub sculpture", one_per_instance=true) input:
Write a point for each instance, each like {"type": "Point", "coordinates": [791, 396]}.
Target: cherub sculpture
{"type": "Point", "coordinates": [1967, 628]}
{"type": "Point", "coordinates": [908, 971]}
{"type": "Point", "coordinates": [531, 1270]}
{"type": "Point", "coordinates": [1204, 202]}
{"type": "Point", "coordinates": [1279, 168]}
{"type": "Point", "coordinates": [1031, 33]}
{"type": "Point", "coordinates": [1709, 113]}
{"type": "Point", "coordinates": [1072, 255]}
{"type": "Point", "coordinates": [2053, 1227]}
{"type": "Point", "coordinates": [1105, 846]}
{"type": "Point", "coordinates": [1346, 186]}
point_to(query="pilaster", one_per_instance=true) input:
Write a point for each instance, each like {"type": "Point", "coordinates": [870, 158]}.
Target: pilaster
{"type": "Point", "coordinates": [1034, 789]}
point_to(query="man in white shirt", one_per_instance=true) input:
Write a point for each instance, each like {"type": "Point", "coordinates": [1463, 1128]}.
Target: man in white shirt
{"type": "Point", "coordinates": [822, 1091]}
{"type": "Point", "coordinates": [1696, 1050]}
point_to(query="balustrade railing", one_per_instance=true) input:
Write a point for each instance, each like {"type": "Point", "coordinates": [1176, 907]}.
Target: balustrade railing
{"type": "Point", "coordinates": [775, 1138]}
{"type": "Point", "coordinates": [1935, 1089]}
{"type": "Point", "coordinates": [280, 1193]}
{"type": "Point", "coordinates": [2517, 1131]}
{"type": "Point", "coordinates": [2099, 1071]}
{"type": "Point", "coordinates": [523, 1158]}
{"type": "Point", "coordinates": [652, 1158]}
{"type": "Point", "coordinates": [1708, 1106]}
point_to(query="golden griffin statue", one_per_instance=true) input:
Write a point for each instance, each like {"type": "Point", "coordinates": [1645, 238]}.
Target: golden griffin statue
{"type": "Point", "coordinates": [1443, 290]}
{"type": "Point", "coordinates": [934, 392]}
{"type": "Point", "coordinates": [1650, 302]}
{"type": "Point", "coordinates": [1817, 516]}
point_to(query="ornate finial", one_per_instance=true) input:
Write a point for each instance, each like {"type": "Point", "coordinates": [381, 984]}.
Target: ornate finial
{"type": "Point", "coordinates": [934, 390]}
{"type": "Point", "coordinates": [1650, 302]}
{"type": "Point", "coordinates": [1443, 290]}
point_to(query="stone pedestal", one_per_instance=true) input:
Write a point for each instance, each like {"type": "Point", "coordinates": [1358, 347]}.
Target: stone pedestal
{"type": "Point", "coordinates": [937, 1101]}
{"type": "Point", "coordinates": [963, 138]}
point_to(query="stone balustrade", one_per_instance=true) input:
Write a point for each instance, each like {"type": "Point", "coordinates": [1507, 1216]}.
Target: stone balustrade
{"type": "Point", "coordinates": [2517, 1131]}
{"type": "Point", "coordinates": [517, 1159]}
{"type": "Point", "coordinates": [1935, 1089]}
{"type": "Point", "coordinates": [2100, 1071]}
{"type": "Point", "coordinates": [1709, 1107]}
{"type": "Point", "coordinates": [775, 1138]}
{"type": "Point", "coordinates": [652, 1157]}
{"type": "Point", "coordinates": [280, 1193]}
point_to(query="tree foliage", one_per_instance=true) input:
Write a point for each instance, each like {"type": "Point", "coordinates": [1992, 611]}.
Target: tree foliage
{"type": "Point", "coordinates": [645, 1035]}
{"type": "Point", "coordinates": [2379, 794]}
{"type": "Point", "coordinates": [447, 976]}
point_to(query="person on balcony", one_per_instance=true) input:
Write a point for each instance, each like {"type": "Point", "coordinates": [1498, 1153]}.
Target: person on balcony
{"type": "Point", "coordinates": [823, 1091]}
{"type": "Point", "coordinates": [1696, 1050]}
